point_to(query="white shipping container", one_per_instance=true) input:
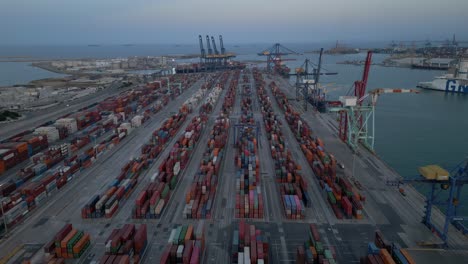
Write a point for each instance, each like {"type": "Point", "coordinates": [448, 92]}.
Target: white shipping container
{"type": "Point", "coordinates": [177, 168]}
{"type": "Point", "coordinates": [171, 237]}
{"type": "Point", "coordinates": [246, 255]}
{"type": "Point", "coordinates": [51, 133]}
{"type": "Point", "coordinates": [69, 123]}
{"type": "Point", "coordinates": [154, 177]}
{"type": "Point", "coordinates": [180, 251]}
{"type": "Point", "coordinates": [240, 258]}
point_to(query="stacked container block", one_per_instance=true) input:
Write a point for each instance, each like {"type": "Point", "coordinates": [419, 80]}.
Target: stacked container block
{"type": "Point", "coordinates": [68, 243]}
{"type": "Point", "coordinates": [249, 199]}
{"type": "Point", "coordinates": [125, 245]}
{"type": "Point", "coordinates": [343, 198]}
{"type": "Point", "coordinates": [381, 251]}
{"type": "Point", "coordinates": [249, 245]}
{"type": "Point", "coordinates": [314, 250]}
{"type": "Point", "coordinates": [186, 245]}
{"type": "Point", "coordinates": [293, 187]}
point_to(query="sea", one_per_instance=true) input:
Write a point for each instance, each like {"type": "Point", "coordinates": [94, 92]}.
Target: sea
{"type": "Point", "coordinates": [412, 130]}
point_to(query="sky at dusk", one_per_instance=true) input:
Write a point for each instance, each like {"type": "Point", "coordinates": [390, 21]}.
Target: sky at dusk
{"type": "Point", "coordinates": [29, 22]}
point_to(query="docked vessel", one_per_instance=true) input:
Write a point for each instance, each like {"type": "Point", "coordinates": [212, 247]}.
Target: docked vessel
{"type": "Point", "coordinates": [456, 82]}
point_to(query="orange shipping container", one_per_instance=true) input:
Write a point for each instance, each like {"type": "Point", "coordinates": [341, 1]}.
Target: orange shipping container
{"type": "Point", "coordinates": [70, 235]}
{"type": "Point", "coordinates": [81, 243]}
{"type": "Point", "coordinates": [407, 256]}
{"type": "Point", "coordinates": [386, 256]}
{"type": "Point", "coordinates": [22, 147]}
{"type": "Point", "coordinates": [189, 233]}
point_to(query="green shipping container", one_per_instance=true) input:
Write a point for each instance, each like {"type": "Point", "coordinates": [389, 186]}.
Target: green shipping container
{"type": "Point", "coordinates": [175, 241]}
{"type": "Point", "coordinates": [173, 182]}
{"type": "Point", "coordinates": [319, 248]}
{"type": "Point", "coordinates": [165, 192]}
{"type": "Point", "coordinates": [327, 253]}
{"type": "Point", "coordinates": [182, 235]}
{"type": "Point", "coordinates": [331, 198]}
{"type": "Point", "coordinates": [74, 240]}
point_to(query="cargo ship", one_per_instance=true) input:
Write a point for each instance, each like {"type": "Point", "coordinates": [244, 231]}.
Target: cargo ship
{"type": "Point", "coordinates": [456, 82]}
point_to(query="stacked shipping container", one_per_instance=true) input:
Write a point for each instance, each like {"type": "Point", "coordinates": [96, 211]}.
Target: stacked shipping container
{"type": "Point", "coordinates": [68, 243]}
{"type": "Point", "coordinates": [314, 250]}
{"type": "Point", "coordinates": [154, 198]}
{"type": "Point", "coordinates": [125, 245]}
{"type": "Point", "coordinates": [293, 187]}
{"type": "Point", "coordinates": [106, 204]}
{"type": "Point", "coordinates": [249, 245]}
{"type": "Point", "coordinates": [342, 196]}
{"type": "Point", "coordinates": [186, 245]}
{"type": "Point", "coordinates": [200, 197]}
{"type": "Point", "coordinates": [381, 251]}
{"type": "Point", "coordinates": [249, 199]}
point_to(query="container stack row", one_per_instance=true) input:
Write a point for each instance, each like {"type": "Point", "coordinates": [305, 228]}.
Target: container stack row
{"type": "Point", "coordinates": [249, 199]}
{"type": "Point", "coordinates": [107, 203]}
{"type": "Point", "coordinates": [155, 197]}
{"type": "Point", "coordinates": [314, 250]}
{"type": "Point", "coordinates": [249, 245]}
{"type": "Point", "coordinates": [186, 245]}
{"type": "Point", "coordinates": [68, 243]}
{"type": "Point", "coordinates": [293, 187]}
{"type": "Point", "coordinates": [44, 176]}
{"type": "Point", "coordinates": [125, 245]}
{"type": "Point", "coordinates": [151, 202]}
{"type": "Point", "coordinates": [84, 125]}
{"type": "Point", "coordinates": [230, 97]}
{"type": "Point", "coordinates": [344, 199]}
{"type": "Point", "coordinates": [200, 196]}
{"type": "Point", "coordinates": [381, 251]}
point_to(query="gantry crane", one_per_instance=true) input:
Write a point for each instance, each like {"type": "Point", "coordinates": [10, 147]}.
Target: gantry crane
{"type": "Point", "coordinates": [274, 57]}
{"type": "Point", "coordinates": [359, 119]}
{"type": "Point", "coordinates": [223, 50]}
{"type": "Point", "coordinates": [214, 46]}
{"type": "Point", "coordinates": [359, 91]}
{"type": "Point", "coordinates": [306, 81]}
{"type": "Point", "coordinates": [212, 58]}
{"type": "Point", "coordinates": [445, 192]}
{"type": "Point", "coordinates": [202, 49]}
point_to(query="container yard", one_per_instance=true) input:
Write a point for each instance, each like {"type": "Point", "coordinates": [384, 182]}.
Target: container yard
{"type": "Point", "coordinates": [218, 167]}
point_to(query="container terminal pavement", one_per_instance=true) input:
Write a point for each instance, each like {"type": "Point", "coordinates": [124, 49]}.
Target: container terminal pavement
{"type": "Point", "coordinates": [224, 170]}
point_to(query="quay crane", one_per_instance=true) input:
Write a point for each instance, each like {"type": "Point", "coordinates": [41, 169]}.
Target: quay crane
{"type": "Point", "coordinates": [357, 120]}
{"type": "Point", "coordinates": [440, 181]}
{"type": "Point", "coordinates": [308, 88]}
{"type": "Point", "coordinates": [274, 59]}
{"type": "Point", "coordinates": [211, 58]}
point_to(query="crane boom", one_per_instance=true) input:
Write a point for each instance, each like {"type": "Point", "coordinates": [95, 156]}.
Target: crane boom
{"type": "Point", "coordinates": [223, 50]}
{"type": "Point", "coordinates": [360, 86]}
{"type": "Point", "coordinates": [214, 46]}
{"type": "Point", "coordinates": [202, 49]}
{"type": "Point", "coordinates": [210, 51]}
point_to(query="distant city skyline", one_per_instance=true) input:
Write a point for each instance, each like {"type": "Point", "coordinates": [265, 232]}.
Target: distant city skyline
{"type": "Point", "coordinates": [46, 22]}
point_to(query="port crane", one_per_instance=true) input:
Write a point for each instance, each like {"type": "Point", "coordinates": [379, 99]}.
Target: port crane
{"type": "Point", "coordinates": [211, 58]}
{"type": "Point", "coordinates": [306, 80]}
{"type": "Point", "coordinates": [444, 192]}
{"type": "Point", "coordinates": [357, 120]}
{"type": "Point", "coordinates": [308, 88]}
{"type": "Point", "coordinates": [274, 56]}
